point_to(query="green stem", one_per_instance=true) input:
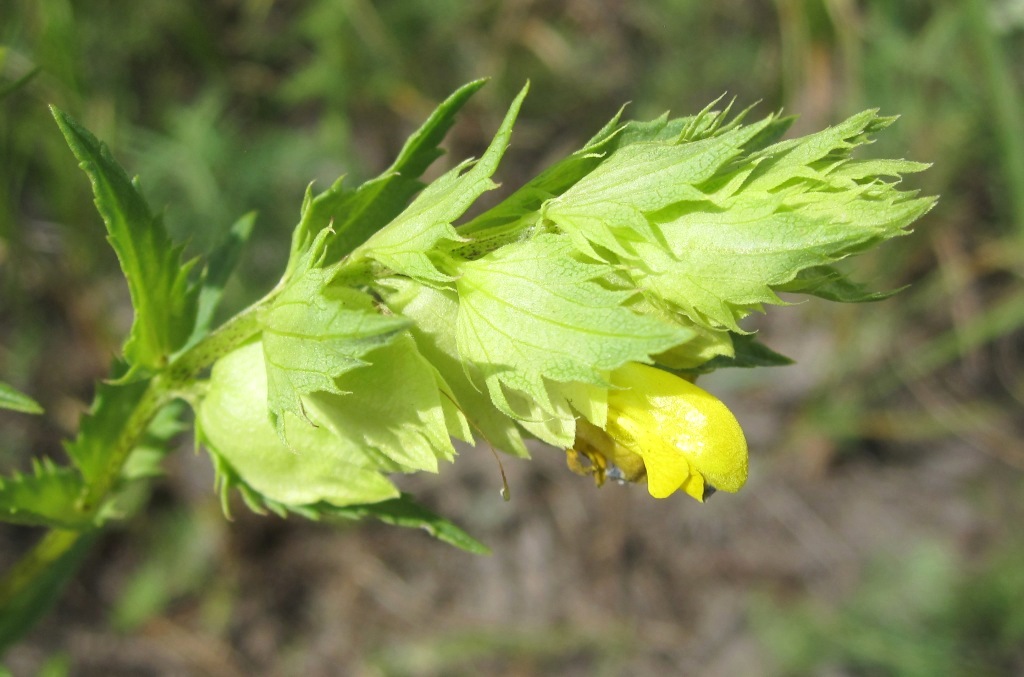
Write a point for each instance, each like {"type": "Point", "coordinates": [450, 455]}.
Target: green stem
{"type": "Point", "coordinates": [163, 388]}
{"type": "Point", "coordinates": [151, 402]}
{"type": "Point", "coordinates": [39, 559]}
{"type": "Point", "coordinates": [219, 343]}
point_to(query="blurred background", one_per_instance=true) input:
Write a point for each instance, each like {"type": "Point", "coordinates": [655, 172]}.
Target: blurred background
{"type": "Point", "coordinates": [880, 531]}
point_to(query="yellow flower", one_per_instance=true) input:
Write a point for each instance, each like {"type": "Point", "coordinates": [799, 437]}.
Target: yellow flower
{"type": "Point", "coordinates": [666, 429]}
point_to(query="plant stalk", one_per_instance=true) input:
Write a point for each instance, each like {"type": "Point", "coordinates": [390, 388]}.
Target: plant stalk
{"type": "Point", "coordinates": [162, 389]}
{"type": "Point", "coordinates": [46, 552]}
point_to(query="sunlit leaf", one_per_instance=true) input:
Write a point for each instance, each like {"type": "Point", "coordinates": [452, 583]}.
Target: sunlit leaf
{"type": "Point", "coordinates": [163, 299]}
{"type": "Point", "coordinates": [533, 311]}
{"type": "Point", "coordinates": [314, 333]}
{"type": "Point", "coordinates": [405, 246]}
{"type": "Point", "coordinates": [315, 466]}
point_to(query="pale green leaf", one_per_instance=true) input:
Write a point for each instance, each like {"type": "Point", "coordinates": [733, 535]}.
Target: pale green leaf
{"type": "Point", "coordinates": [552, 182]}
{"type": "Point", "coordinates": [357, 214]}
{"type": "Point", "coordinates": [707, 344]}
{"type": "Point", "coordinates": [312, 334]}
{"type": "Point", "coordinates": [534, 311]}
{"type": "Point", "coordinates": [649, 176]}
{"type": "Point", "coordinates": [505, 222]}
{"type": "Point", "coordinates": [778, 163]}
{"type": "Point", "coordinates": [610, 205]}
{"type": "Point", "coordinates": [393, 409]}
{"type": "Point", "coordinates": [315, 466]}
{"type": "Point", "coordinates": [405, 245]}
{"type": "Point", "coordinates": [435, 314]}
{"type": "Point", "coordinates": [163, 299]}
{"type": "Point", "coordinates": [554, 420]}
{"type": "Point", "coordinates": [714, 233]}
{"type": "Point", "coordinates": [720, 265]}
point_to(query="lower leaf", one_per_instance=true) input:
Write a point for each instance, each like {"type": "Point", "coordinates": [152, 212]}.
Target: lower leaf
{"type": "Point", "coordinates": [318, 467]}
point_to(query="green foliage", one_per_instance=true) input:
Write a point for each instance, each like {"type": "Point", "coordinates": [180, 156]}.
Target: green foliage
{"type": "Point", "coordinates": [355, 215]}
{"type": "Point", "coordinates": [17, 401]}
{"type": "Point", "coordinates": [746, 352]}
{"type": "Point", "coordinates": [713, 233]}
{"type": "Point", "coordinates": [34, 585]}
{"type": "Point", "coordinates": [922, 614]}
{"type": "Point", "coordinates": [534, 313]}
{"type": "Point", "coordinates": [233, 425]}
{"type": "Point", "coordinates": [312, 334]}
{"type": "Point", "coordinates": [45, 497]}
{"type": "Point", "coordinates": [374, 360]}
{"type": "Point", "coordinates": [542, 297]}
{"type": "Point", "coordinates": [828, 283]}
{"type": "Point", "coordinates": [392, 331]}
{"type": "Point", "coordinates": [434, 312]}
{"type": "Point", "coordinates": [407, 245]}
{"type": "Point", "coordinates": [163, 298]}
{"type": "Point", "coordinates": [93, 448]}
{"type": "Point", "coordinates": [109, 454]}
{"type": "Point", "coordinates": [222, 263]}
{"type": "Point", "coordinates": [405, 512]}
{"type": "Point", "coordinates": [226, 107]}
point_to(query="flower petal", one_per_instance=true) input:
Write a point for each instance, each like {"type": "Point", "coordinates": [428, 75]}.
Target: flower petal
{"type": "Point", "coordinates": [686, 436]}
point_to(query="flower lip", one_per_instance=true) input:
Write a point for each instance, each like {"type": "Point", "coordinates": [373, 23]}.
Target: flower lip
{"type": "Point", "coordinates": [666, 430]}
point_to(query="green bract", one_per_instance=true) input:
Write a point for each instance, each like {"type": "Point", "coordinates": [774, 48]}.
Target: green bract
{"type": "Point", "coordinates": [320, 466]}
{"type": "Point", "coordinates": [400, 324]}
{"type": "Point", "coordinates": [649, 245]}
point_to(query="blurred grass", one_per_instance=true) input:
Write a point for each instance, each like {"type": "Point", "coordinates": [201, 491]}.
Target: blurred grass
{"type": "Point", "coordinates": [231, 105]}
{"type": "Point", "coordinates": [921, 614]}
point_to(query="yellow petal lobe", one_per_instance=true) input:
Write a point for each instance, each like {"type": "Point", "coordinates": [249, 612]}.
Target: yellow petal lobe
{"type": "Point", "coordinates": [664, 428]}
